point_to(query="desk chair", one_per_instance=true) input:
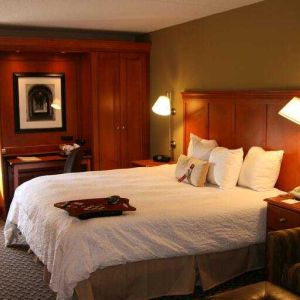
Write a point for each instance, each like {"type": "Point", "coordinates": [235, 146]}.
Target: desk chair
{"type": "Point", "coordinates": [73, 162]}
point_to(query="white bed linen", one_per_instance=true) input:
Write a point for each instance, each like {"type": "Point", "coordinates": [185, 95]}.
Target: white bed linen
{"type": "Point", "coordinates": [172, 219]}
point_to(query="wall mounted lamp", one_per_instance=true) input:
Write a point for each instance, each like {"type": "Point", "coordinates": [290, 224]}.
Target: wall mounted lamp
{"type": "Point", "coordinates": [291, 110]}
{"type": "Point", "coordinates": [163, 107]}
{"type": "Point", "coordinates": [56, 104]}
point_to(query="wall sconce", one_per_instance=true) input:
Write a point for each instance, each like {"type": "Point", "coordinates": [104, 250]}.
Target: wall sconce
{"type": "Point", "coordinates": [56, 104]}
{"type": "Point", "coordinates": [163, 107]}
{"type": "Point", "coordinates": [291, 110]}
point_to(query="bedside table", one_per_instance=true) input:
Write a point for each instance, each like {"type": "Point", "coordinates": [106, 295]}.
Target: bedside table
{"type": "Point", "coordinates": [281, 215]}
{"type": "Point", "coordinates": [149, 163]}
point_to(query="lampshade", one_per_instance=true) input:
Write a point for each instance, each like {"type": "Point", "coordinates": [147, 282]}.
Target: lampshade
{"type": "Point", "coordinates": [162, 106]}
{"type": "Point", "coordinates": [56, 104]}
{"type": "Point", "coordinates": [291, 110]}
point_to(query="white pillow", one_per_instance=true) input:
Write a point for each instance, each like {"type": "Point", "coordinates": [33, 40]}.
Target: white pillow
{"type": "Point", "coordinates": [200, 148]}
{"type": "Point", "coordinates": [260, 169]}
{"type": "Point", "coordinates": [191, 170]}
{"type": "Point", "coordinates": [225, 166]}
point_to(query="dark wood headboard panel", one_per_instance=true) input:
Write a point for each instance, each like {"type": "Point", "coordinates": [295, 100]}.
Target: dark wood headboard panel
{"type": "Point", "coordinates": [244, 119]}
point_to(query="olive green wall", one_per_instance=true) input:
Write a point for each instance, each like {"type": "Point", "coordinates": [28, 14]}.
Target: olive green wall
{"type": "Point", "coordinates": [253, 47]}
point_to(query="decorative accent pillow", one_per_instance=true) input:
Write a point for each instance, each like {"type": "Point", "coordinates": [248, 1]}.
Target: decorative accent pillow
{"type": "Point", "coordinates": [200, 148]}
{"type": "Point", "coordinates": [225, 166]}
{"type": "Point", "coordinates": [191, 170]}
{"type": "Point", "coordinates": [260, 169]}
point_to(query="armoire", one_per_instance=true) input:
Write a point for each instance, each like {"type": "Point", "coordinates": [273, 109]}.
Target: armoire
{"type": "Point", "coordinates": [123, 108]}
{"type": "Point", "coordinates": [107, 105]}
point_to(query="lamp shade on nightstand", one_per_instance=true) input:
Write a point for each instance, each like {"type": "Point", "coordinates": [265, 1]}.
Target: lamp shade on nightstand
{"type": "Point", "coordinates": [291, 110]}
{"type": "Point", "coordinates": [162, 106]}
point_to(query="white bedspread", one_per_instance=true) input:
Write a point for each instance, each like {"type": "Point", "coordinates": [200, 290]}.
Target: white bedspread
{"type": "Point", "coordinates": [172, 219]}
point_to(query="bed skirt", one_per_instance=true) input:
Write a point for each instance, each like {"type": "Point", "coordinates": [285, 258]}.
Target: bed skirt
{"type": "Point", "coordinates": [169, 276]}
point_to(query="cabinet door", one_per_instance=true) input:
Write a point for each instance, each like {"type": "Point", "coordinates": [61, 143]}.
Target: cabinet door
{"type": "Point", "coordinates": [109, 110]}
{"type": "Point", "coordinates": [134, 108]}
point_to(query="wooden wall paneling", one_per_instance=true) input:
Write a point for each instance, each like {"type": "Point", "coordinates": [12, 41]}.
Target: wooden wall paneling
{"type": "Point", "coordinates": [221, 121]}
{"type": "Point", "coordinates": [285, 135]}
{"type": "Point", "coordinates": [2, 172]}
{"type": "Point", "coordinates": [72, 95]}
{"type": "Point", "coordinates": [94, 114]}
{"type": "Point", "coordinates": [109, 110]}
{"type": "Point", "coordinates": [67, 64]}
{"type": "Point", "coordinates": [146, 108]}
{"type": "Point", "coordinates": [26, 44]}
{"type": "Point", "coordinates": [250, 125]}
{"type": "Point", "coordinates": [85, 100]}
{"type": "Point", "coordinates": [133, 92]}
{"type": "Point", "coordinates": [196, 119]}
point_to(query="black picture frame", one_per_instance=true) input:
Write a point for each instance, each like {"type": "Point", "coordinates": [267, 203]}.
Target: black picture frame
{"type": "Point", "coordinates": [44, 112]}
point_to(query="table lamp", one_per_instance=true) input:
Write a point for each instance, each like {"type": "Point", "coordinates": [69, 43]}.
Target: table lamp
{"type": "Point", "coordinates": [291, 110]}
{"type": "Point", "coordinates": [163, 107]}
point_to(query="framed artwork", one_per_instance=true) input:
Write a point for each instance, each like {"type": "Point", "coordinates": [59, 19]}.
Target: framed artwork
{"type": "Point", "coordinates": [39, 102]}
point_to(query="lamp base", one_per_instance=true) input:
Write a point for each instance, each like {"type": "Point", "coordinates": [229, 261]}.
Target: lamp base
{"type": "Point", "coordinates": [161, 158]}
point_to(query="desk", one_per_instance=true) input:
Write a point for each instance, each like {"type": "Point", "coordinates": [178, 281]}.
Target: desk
{"type": "Point", "coordinates": [19, 171]}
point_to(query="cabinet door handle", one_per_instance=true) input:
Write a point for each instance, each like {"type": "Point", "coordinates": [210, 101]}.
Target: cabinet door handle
{"type": "Point", "coordinates": [282, 220]}
{"type": "Point", "coordinates": [118, 127]}
{"type": "Point", "coordinates": [123, 127]}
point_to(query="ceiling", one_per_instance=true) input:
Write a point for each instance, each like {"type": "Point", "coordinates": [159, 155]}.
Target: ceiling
{"type": "Point", "coordinates": [111, 15]}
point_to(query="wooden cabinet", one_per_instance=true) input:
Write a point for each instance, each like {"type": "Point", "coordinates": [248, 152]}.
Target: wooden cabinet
{"type": "Point", "coordinates": [109, 114]}
{"type": "Point", "coordinates": [281, 215]}
{"type": "Point", "coordinates": [282, 218]}
{"type": "Point", "coordinates": [122, 85]}
{"type": "Point", "coordinates": [134, 108]}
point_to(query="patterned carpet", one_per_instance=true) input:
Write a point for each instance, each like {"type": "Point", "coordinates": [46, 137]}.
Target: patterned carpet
{"type": "Point", "coordinates": [22, 278]}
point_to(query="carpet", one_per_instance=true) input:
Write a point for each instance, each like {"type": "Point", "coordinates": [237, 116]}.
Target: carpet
{"type": "Point", "coordinates": [22, 278]}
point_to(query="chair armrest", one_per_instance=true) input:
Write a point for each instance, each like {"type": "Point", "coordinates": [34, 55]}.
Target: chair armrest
{"type": "Point", "coordinates": [258, 291]}
{"type": "Point", "coordinates": [282, 250]}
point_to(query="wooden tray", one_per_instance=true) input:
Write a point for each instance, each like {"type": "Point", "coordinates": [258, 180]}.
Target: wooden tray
{"type": "Point", "coordinates": [92, 208]}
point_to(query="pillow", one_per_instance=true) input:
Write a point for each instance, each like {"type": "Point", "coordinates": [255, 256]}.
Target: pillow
{"type": "Point", "coordinates": [260, 169]}
{"type": "Point", "coordinates": [200, 148]}
{"type": "Point", "coordinates": [225, 166]}
{"type": "Point", "coordinates": [193, 138]}
{"type": "Point", "coordinates": [191, 170]}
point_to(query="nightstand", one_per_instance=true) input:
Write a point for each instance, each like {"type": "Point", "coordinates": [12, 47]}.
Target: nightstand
{"type": "Point", "coordinates": [149, 163]}
{"type": "Point", "coordinates": [281, 215]}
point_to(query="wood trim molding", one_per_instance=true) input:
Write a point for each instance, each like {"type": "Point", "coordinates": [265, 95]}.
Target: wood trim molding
{"type": "Point", "coordinates": [95, 105]}
{"type": "Point", "coordinates": [239, 94]}
{"type": "Point", "coordinates": [26, 44]}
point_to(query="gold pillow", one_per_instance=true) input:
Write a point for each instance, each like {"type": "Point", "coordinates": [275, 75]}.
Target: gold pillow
{"type": "Point", "coordinates": [191, 170]}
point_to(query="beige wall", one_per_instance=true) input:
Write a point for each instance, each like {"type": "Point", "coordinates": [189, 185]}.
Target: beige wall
{"type": "Point", "coordinates": [253, 47]}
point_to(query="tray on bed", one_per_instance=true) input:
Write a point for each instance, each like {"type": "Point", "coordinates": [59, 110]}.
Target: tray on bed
{"type": "Point", "coordinates": [98, 207]}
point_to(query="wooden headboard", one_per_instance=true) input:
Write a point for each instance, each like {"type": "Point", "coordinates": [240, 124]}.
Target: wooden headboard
{"type": "Point", "coordinates": [244, 119]}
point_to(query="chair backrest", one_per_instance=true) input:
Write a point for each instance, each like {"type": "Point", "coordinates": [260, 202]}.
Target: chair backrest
{"type": "Point", "coordinates": [283, 250]}
{"type": "Point", "coordinates": [73, 162]}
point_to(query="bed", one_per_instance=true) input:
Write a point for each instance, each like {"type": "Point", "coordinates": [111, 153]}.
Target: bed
{"type": "Point", "coordinates": [178, 233]}
{"type": "Point", "coordinates": [210, 220]}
